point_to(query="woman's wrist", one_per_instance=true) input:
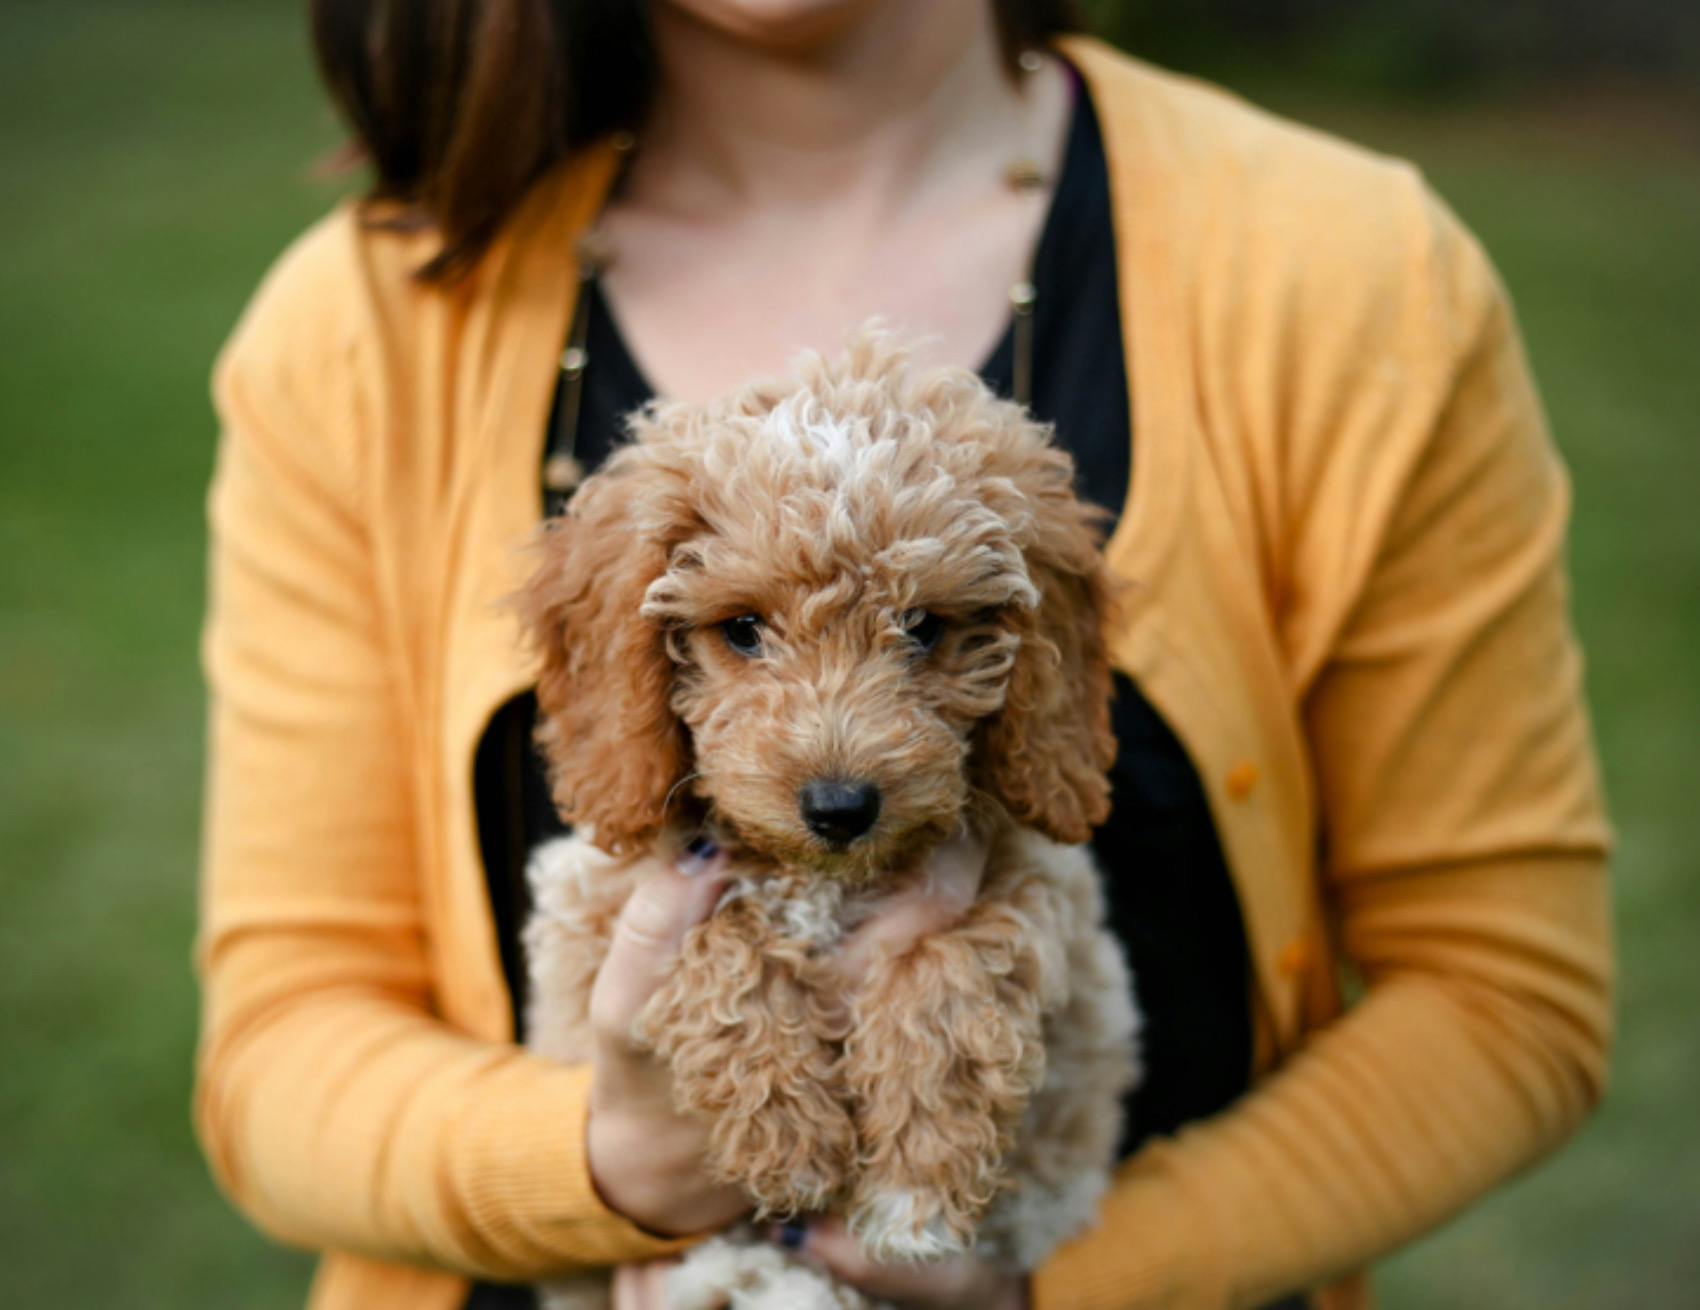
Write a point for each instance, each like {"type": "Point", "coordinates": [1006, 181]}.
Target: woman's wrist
{"type": "Point", "coordinates": [648, 1171]}
{"type": "Point", "coordinates": [617, 1172]}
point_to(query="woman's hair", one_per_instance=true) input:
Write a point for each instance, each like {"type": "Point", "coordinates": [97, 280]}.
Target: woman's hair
{"type": "Point", "coordinates": [460, 105]}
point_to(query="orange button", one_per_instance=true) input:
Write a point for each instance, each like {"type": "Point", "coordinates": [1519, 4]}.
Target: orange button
{"type": "Point", "coordinates": [1241, 779]}
{"type": "Point", "coordinates": [1294, 958]}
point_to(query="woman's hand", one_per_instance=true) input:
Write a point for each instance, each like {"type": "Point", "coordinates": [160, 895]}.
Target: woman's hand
{"type": "Point", "coordinates": [959, 1282]}
{"type": "Point", "coordinates": [646, 1159]}
{"type": "Point", "coordinates": [949, 881]}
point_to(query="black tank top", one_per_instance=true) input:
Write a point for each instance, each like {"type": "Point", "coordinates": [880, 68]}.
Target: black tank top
{"type": "Point", "coordinates": [1171, 899]}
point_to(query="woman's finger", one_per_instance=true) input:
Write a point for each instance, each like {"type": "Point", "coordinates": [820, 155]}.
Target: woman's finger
{"type": "Point", "coordinates": [949, 881]}
{"type": "Point", "coordinates": [642, 1286]}
{"type": "Point", "coordinates": [667, 903]}
{"type": "Point", "coordinates": [953, 870]}
{"type": "Point", "coordinates": [951, 1282]}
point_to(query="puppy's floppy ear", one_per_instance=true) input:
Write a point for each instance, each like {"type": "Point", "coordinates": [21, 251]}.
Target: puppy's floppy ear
{"type": "Point", "coordinates": [1046, 753]}
{"type": "Point", "coordinates": [614, 747]}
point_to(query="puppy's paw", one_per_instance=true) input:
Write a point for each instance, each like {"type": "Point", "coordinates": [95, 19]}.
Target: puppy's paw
{"type": "Point", "coordinates": [906, 1227]}
{"type": "Point", "coordinates": [751, 1025]}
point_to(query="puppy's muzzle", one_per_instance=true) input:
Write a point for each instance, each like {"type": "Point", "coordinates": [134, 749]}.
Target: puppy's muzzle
{"type": "Point", "coordinates": [838, 812]}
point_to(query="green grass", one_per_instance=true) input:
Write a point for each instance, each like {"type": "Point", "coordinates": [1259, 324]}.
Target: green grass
{"type": "Point", "coordinates": [155, 157]}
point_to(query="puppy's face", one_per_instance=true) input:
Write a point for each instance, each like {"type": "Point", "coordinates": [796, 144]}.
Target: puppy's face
{"type": "Point", "coordinates": [830, 616]}
{"type": "Point", "coordinates": [841, 623]}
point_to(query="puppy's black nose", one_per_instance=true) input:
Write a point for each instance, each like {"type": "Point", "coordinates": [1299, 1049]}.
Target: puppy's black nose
{"type": "Point", "coordinates": [839, 812]}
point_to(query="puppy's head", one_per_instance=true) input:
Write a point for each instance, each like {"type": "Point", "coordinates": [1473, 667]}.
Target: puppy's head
{"type": "Point", "coordinates": [830, 615]}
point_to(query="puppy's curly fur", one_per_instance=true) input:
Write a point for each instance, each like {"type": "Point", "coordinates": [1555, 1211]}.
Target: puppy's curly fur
{"type": "Point", "coordinates": [874, 575]}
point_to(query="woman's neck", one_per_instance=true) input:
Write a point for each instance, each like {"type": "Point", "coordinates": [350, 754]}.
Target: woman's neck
{"type": "Point", "coordinates": [880, 113]}
{"type": "Point", "coordinates": [788, 188]}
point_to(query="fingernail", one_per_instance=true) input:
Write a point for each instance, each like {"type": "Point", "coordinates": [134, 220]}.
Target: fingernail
{"type": "Point", "coordinates": [697, 857]}
{"type": "Point", "coordinates": [791, 1236]}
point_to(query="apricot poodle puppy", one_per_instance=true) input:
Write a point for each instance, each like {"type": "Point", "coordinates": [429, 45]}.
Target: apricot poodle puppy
{"type": "Point", "coordinates": [830, 620]}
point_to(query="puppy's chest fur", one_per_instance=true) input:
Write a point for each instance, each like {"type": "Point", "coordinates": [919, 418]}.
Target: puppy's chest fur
{"type": "Point", "coordinates": [967, 1094]}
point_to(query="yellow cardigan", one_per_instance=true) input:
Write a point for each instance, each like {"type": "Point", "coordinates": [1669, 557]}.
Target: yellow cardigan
{"type": "Point", "coordinates": [1344, 537]}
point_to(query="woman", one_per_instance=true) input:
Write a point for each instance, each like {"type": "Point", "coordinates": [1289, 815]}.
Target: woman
{"type": "Point", "coordinates": [1339, 512]}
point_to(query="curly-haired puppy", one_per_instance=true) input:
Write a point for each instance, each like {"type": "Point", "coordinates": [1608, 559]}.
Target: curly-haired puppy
{"type": "Point", "coordinates": [830, 619]}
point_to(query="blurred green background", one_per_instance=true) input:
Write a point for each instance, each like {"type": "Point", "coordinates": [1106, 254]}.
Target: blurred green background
{"type": "Point", "coordinates": [154, 157]}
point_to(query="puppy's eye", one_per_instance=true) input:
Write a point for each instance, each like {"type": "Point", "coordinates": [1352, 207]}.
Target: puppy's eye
{"type": "Point", "coordinates": [743, 634]}
{"type": "Point", "coordinates": [923, 629]}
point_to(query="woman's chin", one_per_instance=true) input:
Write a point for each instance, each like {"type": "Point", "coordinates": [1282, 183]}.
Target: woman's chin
{"type": "Point", "coordinates": [796, 26]}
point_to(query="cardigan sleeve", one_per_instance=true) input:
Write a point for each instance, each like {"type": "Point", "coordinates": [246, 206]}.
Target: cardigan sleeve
{"type": "Point", "coordinates": [336, 1109]}
{"type": "Point", "coordinates": [1463, 845]}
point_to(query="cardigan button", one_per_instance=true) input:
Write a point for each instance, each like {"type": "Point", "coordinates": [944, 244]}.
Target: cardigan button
{"type": "Point", "coordinates": [1242, 778]}
{"type": "Point", "coordinates": [1294, 958]}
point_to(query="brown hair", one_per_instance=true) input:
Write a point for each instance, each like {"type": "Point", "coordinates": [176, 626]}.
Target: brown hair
{"type": "Point", "coordinates": [461, 105]}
